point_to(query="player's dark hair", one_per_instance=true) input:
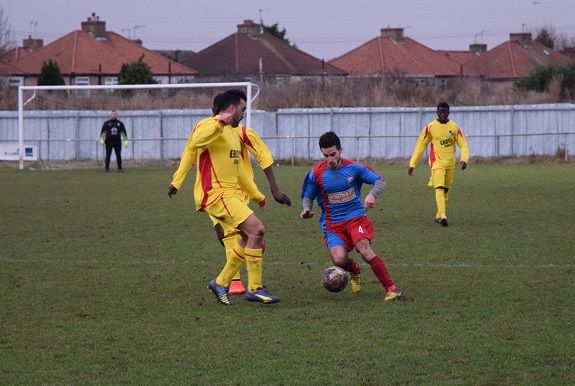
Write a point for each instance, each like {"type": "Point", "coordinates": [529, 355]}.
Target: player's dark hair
{"type": "Point", "coordinates": [215, 104]}
{"type": "Point", "coordinates": [329, 139]}
{"type": "Point", "coordinates": [444, 105]}
{"type": "Point", "coordinates": [230, 97]}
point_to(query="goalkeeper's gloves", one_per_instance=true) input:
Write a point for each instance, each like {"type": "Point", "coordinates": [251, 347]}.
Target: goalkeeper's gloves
{"type": "Point", "coordinates": [101, 141]}
{"type": "Point", "coordinates": [125, 143]}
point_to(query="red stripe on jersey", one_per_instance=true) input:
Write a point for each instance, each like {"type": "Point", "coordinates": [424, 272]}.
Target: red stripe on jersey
{"type": "Point", "coordinates": [246, 139]}
{"type": "Point", "coordinates": [459, 132]}
{"type": "Point", "coordinates": [426, 132]}
{"type": "Point", "coordinates": [431, 151]}
{"type": "Point", "coordinates": [348, 161]}
{"type": "Point", "coordinates": [318, 171]}
{"type": "Point", "coordinates": [205, 170]}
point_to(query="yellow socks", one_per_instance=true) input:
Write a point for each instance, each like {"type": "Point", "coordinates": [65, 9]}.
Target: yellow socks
{"type": "Point", "coordinates": [232, 267]}
{"type": "Point", "coordinates": [253, 258]}
{"type": "Point", "coordinates": [229, 243]}
{"type": "Point", "coordinates": [440, 200]}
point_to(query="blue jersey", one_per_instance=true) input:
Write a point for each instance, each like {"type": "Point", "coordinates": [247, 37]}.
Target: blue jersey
{"type": "Point", "coordinates": [338, 192]}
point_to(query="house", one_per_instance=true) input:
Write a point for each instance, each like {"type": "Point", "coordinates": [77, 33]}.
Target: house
{"type": "Point", "coordinates": [250, 55]}
{"type": "Point", "coordinates": [463, 57]}
{"type": "Point", "coordinates": [568, 51]}
{"type": "Point", "coordinates": [94, 56]}
{"type": "Point", "coordinates": [394, 55]}
{"type": "Point", "coordinates": [7, 68]}
{"type": "Point", "coordinates": [176, 55]}
{"type": "Point", "coordinates": [28, 46]}
{"type": "Point", "coordinates": [515, 58]}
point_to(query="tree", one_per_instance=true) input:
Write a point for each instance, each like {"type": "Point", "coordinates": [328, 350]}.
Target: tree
{"type": "Point", "coordinates": [50, 75]}
{"type": "Point", "coordinates": [546, 36]}
{"type": "Point", "coordinates": [7, 41]}
{"type": "Point", "coordinates": [541, 78]}
{"type": "Point", "coordinates": [274, 31]}
{"type": "Point", "coordinates": [138, 72]}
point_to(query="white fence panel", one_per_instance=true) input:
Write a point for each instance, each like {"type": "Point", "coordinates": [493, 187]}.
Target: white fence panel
{"type": "Point", "coordinates": [381, 132]}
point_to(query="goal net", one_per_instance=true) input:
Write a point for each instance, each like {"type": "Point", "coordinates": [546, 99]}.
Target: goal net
{"type": "Point", "coordinates": [59, 126]}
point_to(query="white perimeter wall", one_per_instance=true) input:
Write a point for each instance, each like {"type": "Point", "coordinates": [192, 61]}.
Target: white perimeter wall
{"type": "Point", "coordinates": [384, 132]}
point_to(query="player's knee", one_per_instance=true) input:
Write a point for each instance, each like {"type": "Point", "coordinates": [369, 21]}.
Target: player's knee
{"type": "Point", "coordinates": [366, 254]}
{"type": "Point", "coordinates": [261, 230]}
{"type": "Point", "coordinates": [339, 260]}
{"type": "Point", "coordinates": [257, 230]}
{"type": "Point", "coordinates": [439, 188]}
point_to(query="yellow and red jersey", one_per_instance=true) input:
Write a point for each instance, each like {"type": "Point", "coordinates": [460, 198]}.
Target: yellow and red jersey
{"type": "Point", "coordinates": [252, 143]}
{"type": "Point", "coordinates": [216, 148]}
{"type": "Point", "coordinates": [443, 137]}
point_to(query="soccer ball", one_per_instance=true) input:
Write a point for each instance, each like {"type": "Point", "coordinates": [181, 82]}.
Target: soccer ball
{"type": "Point", "coordinates": [334, 279]}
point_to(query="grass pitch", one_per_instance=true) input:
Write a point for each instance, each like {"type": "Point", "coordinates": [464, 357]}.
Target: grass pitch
{"type": "Point", "coordinates": [103, 281]}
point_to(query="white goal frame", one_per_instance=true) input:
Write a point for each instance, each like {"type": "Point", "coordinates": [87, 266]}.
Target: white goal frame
{"type": "Point", "coordinates": [21, 102]}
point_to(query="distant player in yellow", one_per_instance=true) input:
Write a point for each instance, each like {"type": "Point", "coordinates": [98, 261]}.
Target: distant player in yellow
{"type": "Point", "coordinates": [251, 144]}
{"type": "Point", "coordinates": [443, 134]}
{"type": "Point", "coordinates": [219, 191]}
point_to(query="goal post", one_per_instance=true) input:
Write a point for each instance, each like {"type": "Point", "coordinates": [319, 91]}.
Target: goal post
{"type": "Point", "coordinates": [64, 122]}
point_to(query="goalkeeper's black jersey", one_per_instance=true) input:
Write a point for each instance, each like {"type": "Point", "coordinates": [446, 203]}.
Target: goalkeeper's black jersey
{"type": "Point", "coordinates": [114, 129]}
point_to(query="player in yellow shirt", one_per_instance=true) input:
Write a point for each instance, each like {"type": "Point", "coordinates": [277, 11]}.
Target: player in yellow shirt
{"type": "Point", "coordinates": [219, 191]}
{"type": "Point", "coordinates": [443, 134]}
{"type": "Point", "coordinates": [251, 143]}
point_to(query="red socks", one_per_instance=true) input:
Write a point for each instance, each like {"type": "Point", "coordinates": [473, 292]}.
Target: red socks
{"type": "Point", "coordinates": [378, 267]}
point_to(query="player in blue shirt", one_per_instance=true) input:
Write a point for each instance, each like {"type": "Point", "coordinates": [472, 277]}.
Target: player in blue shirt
{"type": "Point", "coordinates": [336, 184]}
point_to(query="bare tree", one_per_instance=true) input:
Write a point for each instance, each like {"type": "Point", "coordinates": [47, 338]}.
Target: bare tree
{"type": "Point", "coordinates": [550, 37]}
{"type": "Point", "coordinates": [564, 41]}
{"type": "Point", "coordinates": [546, 35]}
{"type": "Point", "coordinates": [7, 41]}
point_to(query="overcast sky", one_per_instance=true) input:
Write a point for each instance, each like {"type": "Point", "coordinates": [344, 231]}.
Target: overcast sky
{"type": "Point", "coordinates": [322, 28]}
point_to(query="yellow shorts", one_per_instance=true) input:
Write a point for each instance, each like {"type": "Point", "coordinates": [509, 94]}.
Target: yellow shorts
{"type": "Point", "coordinates": [441, 177]}
{"type": "Point", "coordinates": [230, 210]}
{"type": "Point", "coordinates": [228, 230]}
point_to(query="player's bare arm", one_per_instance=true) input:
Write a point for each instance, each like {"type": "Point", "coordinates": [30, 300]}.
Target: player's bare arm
{"type": "Point", "coordinates": [278, 195]}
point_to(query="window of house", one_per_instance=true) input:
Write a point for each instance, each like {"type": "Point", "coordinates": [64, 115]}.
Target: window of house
{"type": "Point", "coordinates": [83, 81]}
{"type": "Point", "coordinates": [111, 80]}
{"type": "Point", "coordinates": [15, 82]}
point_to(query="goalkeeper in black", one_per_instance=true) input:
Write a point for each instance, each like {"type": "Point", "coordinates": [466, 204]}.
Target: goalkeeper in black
{"type": "Point", "coordinates": [111, 135]}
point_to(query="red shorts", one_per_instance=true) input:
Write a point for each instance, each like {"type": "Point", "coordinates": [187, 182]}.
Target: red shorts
{"type": "Point", "coordinates": [349, 232]}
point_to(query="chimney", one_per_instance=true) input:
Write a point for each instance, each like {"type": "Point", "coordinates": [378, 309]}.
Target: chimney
{"type": "Point", "coordinates": [249, 27]}
{"type": "Point", "coordinates": [523, 38]}
{"type": "Point", "coordinates": [478, 48]}
{"type": "Point", "coordinates": [32, 44]}
{"type": "Point", "coordinates": [94, 26]}
{"type": "Point", "coordinates": [395, 34]}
